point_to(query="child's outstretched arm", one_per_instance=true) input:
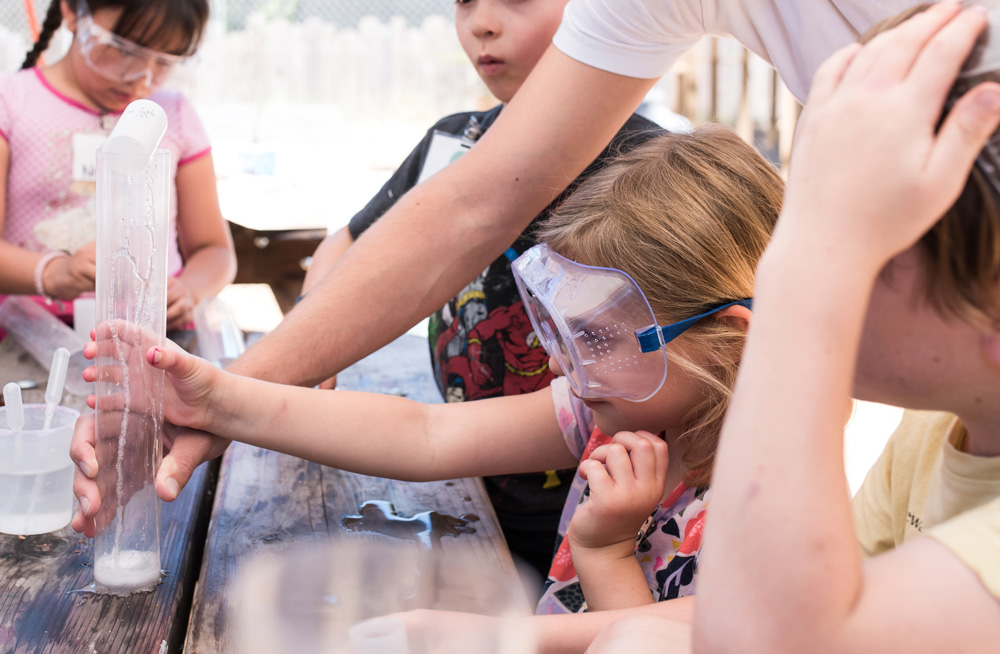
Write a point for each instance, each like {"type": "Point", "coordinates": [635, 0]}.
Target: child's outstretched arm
{"type": "Point", "coordinates": [781, 569]}
{"type": "Point", "coordinates": [368, 433]}
{"type": "Point", "coordinates": [627, 479]}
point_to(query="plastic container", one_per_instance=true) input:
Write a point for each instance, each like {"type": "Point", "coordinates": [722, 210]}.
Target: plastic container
{"type": "Point", "coordinates": [36, 473]}
{"type": "Point", "coordinates": [40, 333]}
{"type": "Point", "coordinates": [132, 216]}
{"type": "Point", "coordinates": [220, 339]}
{"type": "Point", "coordinates": [345, 596]}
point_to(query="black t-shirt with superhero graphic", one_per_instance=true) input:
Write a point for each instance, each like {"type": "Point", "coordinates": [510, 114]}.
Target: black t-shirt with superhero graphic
{"type": "Point", "coordinates": [482, 343]}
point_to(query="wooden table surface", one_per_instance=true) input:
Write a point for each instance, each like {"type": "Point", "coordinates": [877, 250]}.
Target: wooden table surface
{"type": "Point", "coordinates": [262, 502]}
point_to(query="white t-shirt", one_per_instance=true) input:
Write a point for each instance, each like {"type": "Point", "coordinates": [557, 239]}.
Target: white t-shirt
{"type": "Point", "coordinates": [643, 38]}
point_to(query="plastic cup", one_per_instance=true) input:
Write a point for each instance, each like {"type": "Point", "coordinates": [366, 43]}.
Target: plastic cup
{"type": "Point", "coordinates": [220, 339]}
{"type": "Point", "coordinates": [36, 473]}
{"type": "Point", "coordinates": [40, 333]}
{"type": "Point", "coordinates": [352, 595]}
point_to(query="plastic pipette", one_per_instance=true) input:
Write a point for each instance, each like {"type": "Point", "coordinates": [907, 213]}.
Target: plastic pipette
{"type": "Point", "coordinates": [15, 410]}
{"type": "Point", "coordinates": [54, 389]}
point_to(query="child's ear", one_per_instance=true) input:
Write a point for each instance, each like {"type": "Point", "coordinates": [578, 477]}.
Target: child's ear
{"type": "Point", "coordinates": [68, 15]}
{"type": "Point", "coordinates": [737, 316]}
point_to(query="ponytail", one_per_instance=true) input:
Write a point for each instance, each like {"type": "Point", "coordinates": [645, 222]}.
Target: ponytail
{"type": "Point", "coordinates": [53, 19]}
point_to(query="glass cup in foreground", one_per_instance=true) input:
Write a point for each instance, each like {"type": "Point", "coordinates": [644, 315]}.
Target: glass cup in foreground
{"type": "Point", "coordinates": [355, 596]}
{"type": "Point", "coordinates": [36, 473]}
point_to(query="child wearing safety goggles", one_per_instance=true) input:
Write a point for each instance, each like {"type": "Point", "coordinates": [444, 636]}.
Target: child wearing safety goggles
{"type": "Point", "coordinates": [478, 339]}
{"type": "Point", "coordinates": [640, 293]}
{"type": "Point", "coordinates": [54, 118]}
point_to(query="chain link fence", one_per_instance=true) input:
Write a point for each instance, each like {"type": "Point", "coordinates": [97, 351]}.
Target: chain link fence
{"type": "Point", "coordinates": [231, 16]}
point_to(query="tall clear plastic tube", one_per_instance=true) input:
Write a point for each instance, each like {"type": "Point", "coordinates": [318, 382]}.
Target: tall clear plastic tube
{"type": "Point", "coordinates": [132, 201]}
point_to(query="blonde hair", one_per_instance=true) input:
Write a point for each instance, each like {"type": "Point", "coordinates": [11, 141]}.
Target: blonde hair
{"type": "Point", "coordinates": [964, 246]}
{"type": "Point", "coordinates": [688, 217]}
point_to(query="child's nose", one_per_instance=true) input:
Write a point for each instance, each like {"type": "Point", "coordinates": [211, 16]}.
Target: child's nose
{"type": "Point", "coordinates": [485, 22]}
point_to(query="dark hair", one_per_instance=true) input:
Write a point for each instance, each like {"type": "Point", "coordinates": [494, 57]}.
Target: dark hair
{"type": "Point", "coordinates": [964, 246]}
{"type": "Point", "coordinates": [141, 21]}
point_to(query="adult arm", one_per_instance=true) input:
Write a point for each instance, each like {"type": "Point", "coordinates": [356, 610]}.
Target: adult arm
{"type": "Point", "coordinates": [781, 569]}
{"type": "Point", "coordinates": [560, 120]}
{"type": "Point", "coordinates": [329, 251]}
{"type": "Point", "coordinates": [204, 240]}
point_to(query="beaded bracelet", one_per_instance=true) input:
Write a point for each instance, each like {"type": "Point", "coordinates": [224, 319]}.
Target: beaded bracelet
{"type": "Point", "coordinates": [40, 270]}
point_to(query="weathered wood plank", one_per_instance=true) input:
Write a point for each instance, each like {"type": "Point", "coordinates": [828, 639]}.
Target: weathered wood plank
{"type": "Point", "coordinates": [268, 501]}
{"type": "Point", "coordinates": [38, 614]}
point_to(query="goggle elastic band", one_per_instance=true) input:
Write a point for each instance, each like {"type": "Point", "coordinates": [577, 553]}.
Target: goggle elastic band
{"type": "Point", "coordinates": [654, 338]}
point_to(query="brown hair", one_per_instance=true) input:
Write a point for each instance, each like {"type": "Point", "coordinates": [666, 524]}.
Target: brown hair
{"type": "Point", "coordinates": [688, 217]}
{"type": "Point", "coordinates": [964, 246]}
{"type": "Point", "coordinates": [141, 21]}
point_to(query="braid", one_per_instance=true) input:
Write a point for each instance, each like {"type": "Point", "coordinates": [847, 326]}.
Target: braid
{"type": "Point", "coordinates": [53, 19]}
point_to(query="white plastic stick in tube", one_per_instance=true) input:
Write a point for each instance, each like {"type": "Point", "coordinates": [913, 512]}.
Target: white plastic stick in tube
{"type": "Point", "coordinates": [54, 389]}
{"type": "Point", "coordinates": [15, 410]}
{"type": "Point", "coordinates": [133, 181]}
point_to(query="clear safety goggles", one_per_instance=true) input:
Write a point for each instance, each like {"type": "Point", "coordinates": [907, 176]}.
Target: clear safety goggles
{"type": "Point", "coordinates": [597, 325]}
{"type": "Point", "coordinates": [118, 59]}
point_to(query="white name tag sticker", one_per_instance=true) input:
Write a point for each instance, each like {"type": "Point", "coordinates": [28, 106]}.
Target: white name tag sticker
{"type": "Point", "coordinates": [444, 149]}
{"type": "Point", "coordinates": [84, 315]}
{"type": "Point", "coordinates": [85, 148]}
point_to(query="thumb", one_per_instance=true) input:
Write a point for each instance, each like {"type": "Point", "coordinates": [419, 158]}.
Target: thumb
{"type": "Point", "coordinates": [179, 365]}
{"type": "Point", "coordinates": [964, 133]}
{"type": "Point", "coordinates": [178, 466]}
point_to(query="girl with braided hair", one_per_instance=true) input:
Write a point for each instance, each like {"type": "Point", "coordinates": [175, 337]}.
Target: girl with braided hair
{"type": "Point", "coordinates": [54, 118]}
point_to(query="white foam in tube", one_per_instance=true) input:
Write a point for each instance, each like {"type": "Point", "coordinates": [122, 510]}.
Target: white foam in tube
{"type": "Point", "coordinates": [136, 136]}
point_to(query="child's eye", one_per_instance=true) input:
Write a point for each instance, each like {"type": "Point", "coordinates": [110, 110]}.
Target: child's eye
{"type": "Point", "coordinates": [464, 2]}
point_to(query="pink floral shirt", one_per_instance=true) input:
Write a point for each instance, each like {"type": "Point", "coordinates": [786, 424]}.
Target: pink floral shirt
{"type": "Point", "coordinates": [670, 543]}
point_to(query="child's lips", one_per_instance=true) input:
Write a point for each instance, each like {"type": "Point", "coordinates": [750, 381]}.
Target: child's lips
{"type": "Point", "coordinates": [491, 65]}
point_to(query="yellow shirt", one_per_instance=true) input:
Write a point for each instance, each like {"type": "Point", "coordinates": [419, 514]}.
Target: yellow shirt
{"type": "Point", "coordinates": [923, 484]}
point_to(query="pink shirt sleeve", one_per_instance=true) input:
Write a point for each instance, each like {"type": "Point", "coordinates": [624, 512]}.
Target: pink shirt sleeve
{"type": "Point", "coordinates": [193, 138]}
{"type": "Point", "coordinates": [5, 114]}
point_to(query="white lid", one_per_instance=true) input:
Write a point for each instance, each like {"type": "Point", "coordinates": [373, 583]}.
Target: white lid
{"type": "Point", "coordinates": [138, 132]}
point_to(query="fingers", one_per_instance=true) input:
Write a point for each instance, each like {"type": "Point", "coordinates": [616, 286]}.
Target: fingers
{"type": "Point", "coordinates": [188, 450]}
{"type": "Point", "coordinates": [176, 363]}
{"type": "Point", "coordinates": [828, 76]}
{"type": "Point", "coordinates": [82, 446]}
{"type": "Point", "coordinates": [964, 133]}
{"type": "Point", "coordinates": [890, 56]}
{"type": "Point", "coordinates": [646, 456]}
{"type": "Point", "coordinates": [943, 56]}
{"type": "Point", "coordinates": [82, 452]}
{"type": "Point", "coordinates": [329, 384]}
{"type": "Point", "coordinates": [597, 476]}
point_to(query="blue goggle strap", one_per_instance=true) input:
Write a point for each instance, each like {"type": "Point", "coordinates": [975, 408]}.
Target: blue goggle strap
{"type": "Point", "coordinates": [654, 338]}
